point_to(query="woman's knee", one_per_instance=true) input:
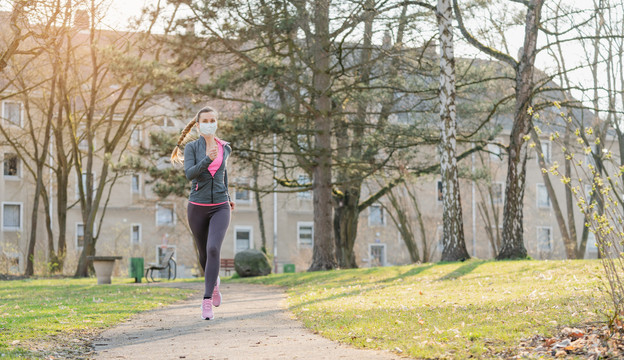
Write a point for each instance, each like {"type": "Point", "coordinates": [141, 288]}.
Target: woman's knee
{"type": "Point", "coordinates": [213, 252]}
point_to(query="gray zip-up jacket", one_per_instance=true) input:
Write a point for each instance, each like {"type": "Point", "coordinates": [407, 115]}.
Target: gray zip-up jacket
{"type": "Point", "coordinates": [206, 189]}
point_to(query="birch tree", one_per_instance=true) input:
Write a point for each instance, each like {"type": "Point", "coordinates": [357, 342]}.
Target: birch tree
{"type": "Point", "coordinates": [453, 226]}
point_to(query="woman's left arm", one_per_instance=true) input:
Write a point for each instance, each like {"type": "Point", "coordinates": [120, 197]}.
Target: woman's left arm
{"type": "Point", "coordinates": [227, 188]}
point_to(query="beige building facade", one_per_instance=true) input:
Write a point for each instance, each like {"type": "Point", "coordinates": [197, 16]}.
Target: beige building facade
{"type": "Point", "coordinates": [139, 224]}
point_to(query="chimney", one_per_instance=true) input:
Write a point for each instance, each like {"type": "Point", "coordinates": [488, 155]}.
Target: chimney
{"type": "Point", "coordinates": [81, 20]}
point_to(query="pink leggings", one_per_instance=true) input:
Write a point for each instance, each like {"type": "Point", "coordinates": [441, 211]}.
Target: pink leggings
{"type": "Point", "coordinates": [209, 224]}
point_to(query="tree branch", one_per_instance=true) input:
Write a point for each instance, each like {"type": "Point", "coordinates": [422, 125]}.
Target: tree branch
{"type": "Point", "coordinates": [476, 43]}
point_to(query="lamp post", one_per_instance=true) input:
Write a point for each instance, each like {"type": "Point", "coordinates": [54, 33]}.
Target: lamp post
{"type": "Point", "coordinates": [275, 202]}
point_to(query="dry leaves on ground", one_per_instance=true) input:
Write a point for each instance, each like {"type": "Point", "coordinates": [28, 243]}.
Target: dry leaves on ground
{"type": "Point", "coordinates": [589, 341]}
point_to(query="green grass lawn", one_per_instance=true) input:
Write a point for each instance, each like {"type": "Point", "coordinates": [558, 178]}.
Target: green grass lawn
{"type": "Point", "coordinates": [453, 310]}
{"type": "Point", "coordinates": [42, 310]}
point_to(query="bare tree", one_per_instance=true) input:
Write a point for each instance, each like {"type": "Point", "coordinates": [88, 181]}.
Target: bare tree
{"type": "Point", "coordinates": [513, 239]}
{"type": "Point", "coordinates": [453, 228]}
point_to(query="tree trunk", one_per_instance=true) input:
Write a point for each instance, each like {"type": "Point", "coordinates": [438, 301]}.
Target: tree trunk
{"type": "Point", "coordinates": [323, 250]}
{"type": "Point", "coordinates": [41, 159]}
{"type": "Point", "coordinates": [62, 183]}
{"type": "Point", "coordinates": [53, 259]}
{"type": "Point", "coordinates": [421, 225]}
{"type": "Point", "coordinates": [346, 210]}
{"type": "Point", "coordinates": [513, 232]}
{"type": "Point", "coordinates": [402, 222]}
{"type": "Point", "coordinates": [30, 256]}
{"type": "Point", "coordinates": [259, 208]}
{"type": "Point", "coordinates": [453, 227]}
{"type": "Point", "coordinates": [346, 216]}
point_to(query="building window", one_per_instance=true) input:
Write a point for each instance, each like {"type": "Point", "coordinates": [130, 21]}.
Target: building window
{"type": "Point", "coordinates": [544, 238]}
{"type": "Point", "coordinates": [12, 112]}
{"type": "Point", "coordinates": [495, 152]}
{"type": "Point", "coordinates": [135, 138]}
{"type": "Point", "coordinates": [80, 236]}
{"type": "Point", "coordinates": [167, 122]}
{"type": "Point", "coordinates": [305, 234]}
{"type": "Point", "coordinates": [11, 216]}
{"type": "Point", "coordinates": [497, 193]}
{"type": "Point", "coordinates": [135, 234]}
{"type": "Point", "coordinates": [162, 251]}
{"type": "Point", "coordinates": [165, 215]}
{"type": "Point", "coordinates": [242, 196]}
{"type": "Point", "coordinates": [439, 191]}
{"type": "Point", "coordinates": [376, 215]}
{"type": "Point", "coordinates": [543, 200]}
{"type": "Point", "coordinates": [11, 165]}
{"type": "Point", "coordinates": [136, 185]}
{"type": "Point", "coordinates": [546, 151]}
{"type": "Point", "coordinates": [303, 141]}
{"type": "Point", "coordinates": [304, 180]}
{"type": "Point", "coordinates": [242, 238]}
{"type": "Point", "coordinates": [440, 244]}
{"type": "Point", "coordinates": [377, 254]}
{"type": "Point", "coordinates": [83, 144]}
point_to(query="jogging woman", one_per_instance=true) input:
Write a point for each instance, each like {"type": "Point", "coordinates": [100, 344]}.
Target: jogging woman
{"type": "Point", "coordinates": [205, 165]}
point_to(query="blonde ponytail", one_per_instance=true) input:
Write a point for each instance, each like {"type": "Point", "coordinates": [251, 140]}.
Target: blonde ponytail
{"type": "Point", "coordinates": [177, 156]}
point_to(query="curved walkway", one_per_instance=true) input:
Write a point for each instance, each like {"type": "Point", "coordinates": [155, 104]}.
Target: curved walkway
{"type": "Point", "coordinates": [251, 323]}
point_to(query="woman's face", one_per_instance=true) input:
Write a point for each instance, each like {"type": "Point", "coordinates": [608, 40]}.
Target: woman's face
{"type": "Point", "coordinates": [207, 117]}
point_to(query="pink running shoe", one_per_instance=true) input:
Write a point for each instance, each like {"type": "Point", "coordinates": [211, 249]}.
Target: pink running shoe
{"type": "Point", "coordinates": [216, 294]}
{"type": "Point", "coordinates": [207, 313]}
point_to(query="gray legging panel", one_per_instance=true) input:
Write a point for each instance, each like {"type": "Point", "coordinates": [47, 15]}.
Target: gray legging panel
{"type": "Point", "coordinates": [209, 224]}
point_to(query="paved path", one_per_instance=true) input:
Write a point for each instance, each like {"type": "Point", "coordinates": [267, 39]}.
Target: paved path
{"type": "Point", "coordinates": [252, 323]}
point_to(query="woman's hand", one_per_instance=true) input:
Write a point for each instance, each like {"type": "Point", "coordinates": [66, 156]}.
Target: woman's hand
{"type": "Point", "coordinates": [232, 205]}
{"type": "Point", "coordinates": [213, 152]}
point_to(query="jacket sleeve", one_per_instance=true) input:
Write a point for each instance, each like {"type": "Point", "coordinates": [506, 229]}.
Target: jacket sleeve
{"type": "Point", "coordinates": [192, 167]}
{"type": "Point", "coordinates": [227, 189]}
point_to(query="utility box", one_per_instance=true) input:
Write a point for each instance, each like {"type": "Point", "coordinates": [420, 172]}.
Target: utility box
{"type": "Point", "coordinates": [136, 268]}
{"type": "Point", "coordinates": [289, 268]}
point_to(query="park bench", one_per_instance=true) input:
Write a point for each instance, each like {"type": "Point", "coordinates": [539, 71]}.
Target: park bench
{"type": "Point", "coordinates": [168, 263]}
{"type": "Point", "coordinates": [227, 265]}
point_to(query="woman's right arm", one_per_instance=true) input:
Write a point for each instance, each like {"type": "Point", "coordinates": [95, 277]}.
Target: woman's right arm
{"type": "Point", "coordinates": [192, 167]}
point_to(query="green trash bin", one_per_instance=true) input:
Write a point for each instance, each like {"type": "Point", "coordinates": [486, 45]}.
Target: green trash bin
{"type": "Point", "coordinates": [289, 268]}
{"type": "Point", "coordinates": [136, 268]}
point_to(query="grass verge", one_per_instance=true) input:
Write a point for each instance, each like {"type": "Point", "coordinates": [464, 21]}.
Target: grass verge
{"type": "Point", "coordinates": [39, 315]}
{"type": "Point", "coordinates": [448, 310]}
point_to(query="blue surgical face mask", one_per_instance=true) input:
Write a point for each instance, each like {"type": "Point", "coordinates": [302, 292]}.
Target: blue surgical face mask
{"type": "Point", "coordinates": [208, 128]}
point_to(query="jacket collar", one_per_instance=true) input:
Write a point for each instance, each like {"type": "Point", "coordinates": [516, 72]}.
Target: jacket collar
{"type": "Point", "coordinates": [219, 141]}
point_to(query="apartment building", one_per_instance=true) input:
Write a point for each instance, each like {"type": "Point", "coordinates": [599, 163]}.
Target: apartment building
{"type": "Point", "coordinates": [137, 223]}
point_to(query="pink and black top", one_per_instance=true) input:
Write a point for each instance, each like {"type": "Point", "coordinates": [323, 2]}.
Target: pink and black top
{"type": "Point", "coordinates": [209, 182]}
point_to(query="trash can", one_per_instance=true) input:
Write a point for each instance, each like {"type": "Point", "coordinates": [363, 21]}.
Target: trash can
{"type": "Point", "coordinates": [136, 268]}
{"type": "Point", "coordinates": [289, 268]}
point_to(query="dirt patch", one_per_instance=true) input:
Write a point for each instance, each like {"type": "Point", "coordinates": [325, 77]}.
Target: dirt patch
{"type": "Point", "coordinates": [76, 345]}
